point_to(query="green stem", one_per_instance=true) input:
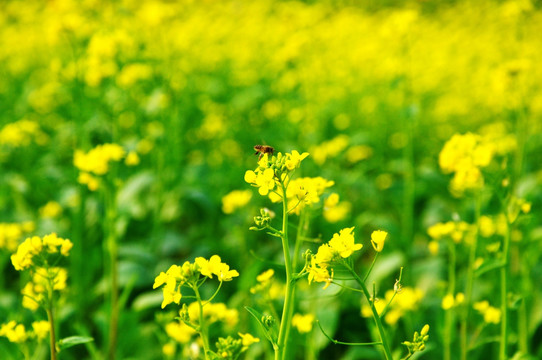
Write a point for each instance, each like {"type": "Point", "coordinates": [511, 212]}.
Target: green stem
{"type": "Point", "coordinates": [470, 282]}
{"type": "Point", "coordinates": [345, 343]}
{"type": "Point", "coordinates": [449, 313]}
{"type": "Point", "coordinates": [50, 317]}
{"type": "Point", "coordinates": [371, 268]}
{"type": "Point", "coordinates": [298, 240]}
{"type": "Point", "coordinates": [287, 310]}
{"type": "Point", "coordinates": [112, 249]}
{"type": "Point", "coordinates": [376, 316]}
{"type": "Point", "coordinates": [504, 295]}
{"type": "Point", "coordinates": [202, 328]}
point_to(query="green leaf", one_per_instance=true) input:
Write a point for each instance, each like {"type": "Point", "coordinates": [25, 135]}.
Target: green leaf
{"type": "Point", "coordinates": [270, 333]}
{"type": "Point", "coordinates": [72, 341]}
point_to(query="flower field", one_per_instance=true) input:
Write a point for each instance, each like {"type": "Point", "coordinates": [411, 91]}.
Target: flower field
{"type": "Point", "coordinates": [271, 179]}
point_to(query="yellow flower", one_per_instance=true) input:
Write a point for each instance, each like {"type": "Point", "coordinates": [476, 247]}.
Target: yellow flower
{"type": "Point", "coordinates": [180, 332]}
{"type": "Point", "coordinates": [378, 239]}
{"type": "Point", "coordinates": [41, 329]}
{"type": "Point", "coordinates": [168, 349]}
{"type": "Point", "coordinates": [248, 339]}
{"type": "Point", "coordinates": [303, 323]}
{"type": "Point", "coordinates": [294, 159]}
{"type": "Point", "coordinates": [97, 160]}
{"type": "Point", "coordinates": [491, 314]}
{"type": "Point", "coordinates": [265, 181]}
{"type": "Point", "coordinates": [209, 267]}
{"type": "Point", "coordinates": [448, 302]}
{"type": "Point", "coordinates": [235, 200]}
{"type": "Point", "coordinates": [15, 333]}
{"type": "Point", "coordinates": [132, 159]}
{"type": "Point", "coordinates": [319, 274]}
{"type": "Point", "coordinates": [171, 293]}
{"type": "Point", "coordinates": [224, 273]}
{"type": "Point", "coordinates": [50, 210]}
{"type": "Point", "coordinates": [343, 243]}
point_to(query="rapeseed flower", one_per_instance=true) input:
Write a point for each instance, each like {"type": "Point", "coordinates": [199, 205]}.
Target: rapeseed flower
{"type": "Point", "coordinates": [378, 238]}
{"type": "Point", "coordinates": [34, 247]}
{"type": "Point", "coordinates": [235, 200]}
{"type": "Point", "coordinates": [303, 323]}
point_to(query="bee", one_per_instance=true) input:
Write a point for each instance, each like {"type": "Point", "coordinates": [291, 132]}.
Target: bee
{"type": "Point", "coordinates": [263, 149]}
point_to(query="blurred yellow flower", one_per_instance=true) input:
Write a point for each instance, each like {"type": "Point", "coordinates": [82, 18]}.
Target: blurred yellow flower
{"type": "Point", "coordinates": [50, 210]}
{"type": "Point", "coordinates": [235, 200]}
{"type": "Point", "coordinates": [303, 323]}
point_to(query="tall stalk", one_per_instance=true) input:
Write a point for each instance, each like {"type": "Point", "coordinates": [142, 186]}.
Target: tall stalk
{"type": "Point", "coordinates": [470, 281]}
{"type": "Point", "coordinates": [504, 294]}
{"type": "Point", "coordinates": [449, 317]}
{"type": "Point", "coordinates": [202, 328]}
{"type": "Point", "coordinates": [376, 316]}
{"type": "Point", "coordinates": [50, 314]}
{"type": "Point", "coordinates": [287, 309]}
{"type": "Point", "coordinates": [112, 251]}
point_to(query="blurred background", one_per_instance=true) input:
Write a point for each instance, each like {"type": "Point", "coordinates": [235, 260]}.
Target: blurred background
{"type": "Point", "coordinates": [371, 89]}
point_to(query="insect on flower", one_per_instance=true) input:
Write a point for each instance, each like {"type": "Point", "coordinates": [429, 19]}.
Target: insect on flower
{"type": "Point", "coordinates": [263, 149]}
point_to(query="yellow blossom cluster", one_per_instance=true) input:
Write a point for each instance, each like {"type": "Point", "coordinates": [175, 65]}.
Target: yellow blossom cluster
{"type": "Point", "coordinates": [235, 200]}
{"type": "Point", "coordinates": [329, 149]}
{"type": "Point", "coordinates": [96, 162]}
{"type": "Point", "coordinates": [407, 299]}
{"type": "Point", "coordinates": [50, 210]}
{"type": "Point", "coordinates": [36, 247]}
{"type": "Point", "coordinates": [10, 233]}
{"type": "Point", "coordinates": [17, 333]}
{"type": "Point", "coordinates": [341, 245]}
{"type": "Point", "coordinates": [303, 323]}
{"type": "Point", "coordinates": [456, 230]}
{"type": "Point", "coordinates": [449, 301]}
{"type": "Point", "coordinates": [213, 312]}
{"type": "Point", "coordinates": [267, 286]}
{"type": "Point", "coordinates": [302, 192]}
{"type": "Point", "coordinates": [22, 133]}
{"type": "Point", "coordinates": [189, 273]}
{"type": "Point", "coordinates": [180, 332]}
{"type": "Point", "coordinates": [35, 290]}
{"type": "Point", "coordinates": [335, 210]}
{"type": "Point", "coordinates": [465, 155]}
{"type": "Point", "coordinates": [492, 315]}
{"type": "Point", "coordinates": [271, 171]}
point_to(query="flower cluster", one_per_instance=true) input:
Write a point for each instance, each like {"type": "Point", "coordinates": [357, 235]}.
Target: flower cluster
{"type": "Point", "coordinates": [449, 301]}
{"type": "Point", "coordinates": [10, 233]}
{"type": "Point", "coordinates": [212, 312]}
{"type": "Point", "coordinates": [16, 333]}
{"type": "Point", "coordinates": [491, 314]}
{"type": "Point", "coordinates": [35, 291]}
{"type": "Point", "coordinates": [464, 155]}
{"type": "Point", "coordinates": [96, 162]}
{"type": "Point", "coordinates": [418, 341]}
{"type": "Point", "coordinates": [22, 133]}
{"type": "Point", "coordinates": [303, 323]}
{"type": "Point", "coordinates": [235, 200]}
{"type": "Point", "coordinates": [189, 274]}
{"type": "Point", "coordinates": [271, 171]}
{"type": "Point", "coordinates": [341, 246]}
{"type": "Point", "coordinates": [335, 210]}
{"type": "Point", "coordinates": [267, 286]}
{"type": "Point", "coordinates": [456, 230]}
{"type": "Point", "coordinates": [302, 192]}
{"type": "Point", "coordinates": [230, 348]}
{"type": "Point", "coordinates": [34, 249]}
